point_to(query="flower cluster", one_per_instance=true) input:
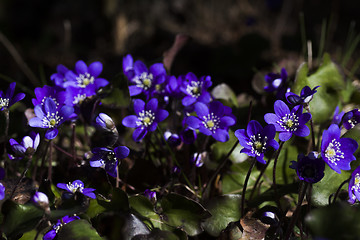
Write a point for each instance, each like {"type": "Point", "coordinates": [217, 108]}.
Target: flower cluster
{"type": "Point", "coordinates": [212, 117]}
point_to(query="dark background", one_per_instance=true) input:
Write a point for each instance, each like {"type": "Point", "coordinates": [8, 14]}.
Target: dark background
{"type": "Point", "coordinates": [230, 40]}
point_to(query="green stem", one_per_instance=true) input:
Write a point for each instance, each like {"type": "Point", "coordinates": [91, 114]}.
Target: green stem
{"type": "Point", "coordinates": [174, 159]}
{"type": "Point", "coordinates": [297, 210]}
{"type": "Point", "coordinates": [50, 162]}
{"type": "Point", "coordinates": [206, 190]}
{"type": "Point", "coordinates": [274, 175]}
{"type": "Point", "coordinates": [338, 190]}
{"type": "Point", "coordinates": [245, 186]}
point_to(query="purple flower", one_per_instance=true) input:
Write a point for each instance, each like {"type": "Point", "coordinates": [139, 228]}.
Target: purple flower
{"type": "Point", "coordinates": [151, 195]}
{"type": "Point", "coordinates": [40, 199]}
{"type": "Point", "coordinates": [59, 78]}
{"type": "Point", "coordinates": [288, 123]}
{"type": "Point", "coordinates": [172, 138]}
{"type": "Point", "coordinates": [49, 92]}
{"type": "Point", "coordinates": [128, 66]}
{"type": "Point", "coordinates": [8, 99]}
{"type": "Point", "coordinates": [86, 77]}
{"type": "Point", "coordinates": [48, 116]}
{"type": "Point", "coordinates": [195, 89]}
{"type": "Point", "coordinates": [188, 136]}
{"type": "Point", "coordinates": [143, 80]}
{"type": "Point", "coordinates": [108, 159]}
{"type": "Point", "coordinates": [256, 140]}
{"type": "Point", "coordinates": [309, 168]}
{"type": "Point", "coordinates": [213, 120]}
{"type": "Point", "coordinates": [337, 116]}
{"type": "Point", "coordinates": [198, 159]}
{"type": "Point", "coordinates": [104, 122]}
{"type": "Point", "coordinates": [58, 225]}
{"type": "Point", "coordinates": [28, 146]}
{"type": "Point", "coordinates": [354, 186]}
{"type": "Point", "coordinates": [146, 119]}
{"type": "Point", "coordinates": [77, 185]}
{"type": "Point", "coordinates": [305, 97]}
{"type": "Point", "coordinates": [2, 191]}
{"type": "Point", "coordinates": [337, 152]}
{"type": "Point", "coordinates": [276, 81]}
{"type": "Point", "coordinates": [75, 96]}
{"type": "Point", "coordinates": [351, 118]}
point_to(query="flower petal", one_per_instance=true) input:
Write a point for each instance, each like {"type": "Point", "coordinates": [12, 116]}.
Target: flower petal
{"type": "Point", "coordinates": [81, 67]}
{"type": "Point", "coordinates": [280, 108]}
{"type": "Point", "coordinates": [130, 121]}
{"type": "Point", "coordinates": [121, 152]}
{"type": "Point", "coordinates": [95, 69]}
{"type": "Point", "coordinates": [51, 133]}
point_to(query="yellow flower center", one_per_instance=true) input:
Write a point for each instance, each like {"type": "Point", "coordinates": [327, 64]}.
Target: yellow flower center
{"type": "Point", "coordinates": [258, 145]}
{"type": "Point", "coordinates": [147, 82]}
{"type": "Point", "coordinates": [289, 123]}
{"type": "Point", "coordinates": [52, 122]}
{"type": "Point", "coordinates": [195, 90]}
{"type": "Point", "coordinates": [158, 87]}
{"type": "Point", "coordinates": [330, 152]}
{"type": "Point", "coordinates": [210, 124]}
{"type": "Point", "coordinates": [146, 120]}
{"type": "Point", "coordinates": [357, 180]}
{"type": "Point", "coordinates": [86, 82]}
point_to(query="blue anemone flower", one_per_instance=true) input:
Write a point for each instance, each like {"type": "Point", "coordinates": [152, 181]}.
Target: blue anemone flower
{"type": "Point", "coordinates": [48, 116]}
{"type": "Point", "coordinates": [77, 185]}
{"type": "Point", "coordinates": [214, 120]}
{"type": "Point", "coordinates": [58, 96]}
{"type": "Point", "coordinates": [8, 99]}
{"type": "Point", "coordinates": [337, 117]}
{"type": "Point", "coordinates": [108, 158]}
{"type": "Point", "coordinates": [288, 122]}
{"type": "Point", "coordinates": [305, 97]}
{"type": "Point", "coordinates": [86, 76]}
{"type": "Point", "coordinates": [337, 152]}
{"type": "Point", "coordinates": [354, 186]}
{"type": "Point", "coordinates": [50, 235]}
{"type": "Point", "coordinates": [195, 89]}
{"type": "Point", "coordinates": [351, 118]}
{"type": "Point", "coordinates": [59, 78]}
{"type": "Point", "coordinates": [256, 140]}
{"type": "Point", "coordinates": [143, 80]}
{"type": "Point", "coordinates": [146, 119]}
{"type": "Point", "coordinates": [309, 168]}
{"type": "Point", "coordinates": [28, 146]}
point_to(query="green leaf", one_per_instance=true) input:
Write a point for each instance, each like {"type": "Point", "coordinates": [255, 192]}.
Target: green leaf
{"type": "Point", "coordinates": [336, 221]}
{"type": "Point", "coordinates": [145, 208]}
{"type": "Point", "coordinates": [327, 186]}
{"type": "Point", "coordinates": [31, 236]}
{"type": "Point", "coordinates": [184, 213]}
{"type": "Point", "coordinates": [224, 209]}
{"type": "Point", "coordinates": [233, 181]}
{"type": "Point", "coordinates": [19, 218]}
{"type": "Point", "coordinates": [119, 96]}
{"type": "Point", "coordinates": [94, 208]}
{"type": "Point", "coordinates": [79, 230]}
{"type": "Point", "coordinates": [158, 235]}
{"type": "Point", "coordinates": [224, 92]}
{"type": "Point", "coordinates": [119, 201]}
{"type": "Point", "coordinates": [331, 82]}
